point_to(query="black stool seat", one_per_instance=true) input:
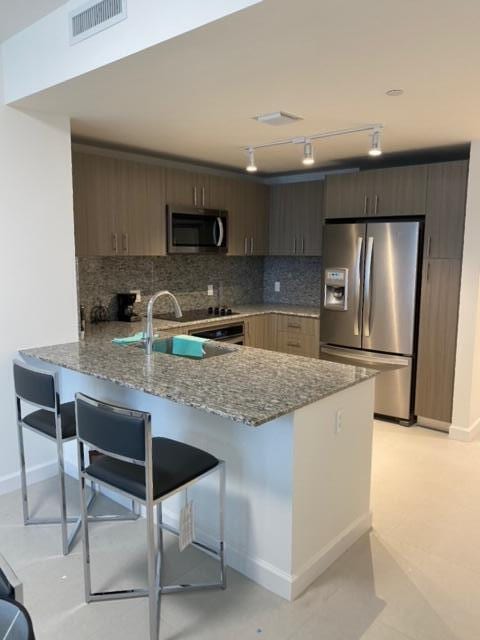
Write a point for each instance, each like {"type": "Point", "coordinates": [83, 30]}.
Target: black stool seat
{"type": "Point", "coordinates": [174, 464]}
{"type": "Point", "coordinates": [44, 421]}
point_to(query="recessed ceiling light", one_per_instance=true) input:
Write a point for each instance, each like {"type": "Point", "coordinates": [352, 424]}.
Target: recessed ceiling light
{"type": "Point", "coordinates": [394, 92]}
{"type": "Point", "coordinates": [278, 118]}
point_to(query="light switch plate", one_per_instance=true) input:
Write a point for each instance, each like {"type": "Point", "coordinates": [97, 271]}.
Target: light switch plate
{"type": "Point", "coordinates": [277, 287]}
{"type": "Point", "coordinates": [210, 289]}
{"type": "Point", "coordinates": [139, 294]}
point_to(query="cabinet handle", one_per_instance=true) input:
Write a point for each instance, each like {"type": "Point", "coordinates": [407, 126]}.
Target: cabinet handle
{"type": "Point", "coordinates": [303, 244]}
{"type": "Point", "coordinates": [428, 271]}
{"type": "Point", "coordinates": [294, 326]}
{"type": "Point", "coordinates": [377, 199]}
{"type": "Point", "coordinates": [203, 196]}
{"type": "Point", "coordinates": [125, 242]}
{"type": "Point", "coordinates": [429, 247]}
{"type": "Point", "coordinates": [114, 242]}
{"type": "Point", "coordinates": [251, 246]}
{"type": "Point", "coordinates": [294, 244]}
{"type": "Point", "coordinates": [293, 344]}
{"type": "Point", "coordinates": [365, 205]}
{"type": "Point", "coordinates": [245, 246]}
{"type": "Point", "coordinates": [194, 196]}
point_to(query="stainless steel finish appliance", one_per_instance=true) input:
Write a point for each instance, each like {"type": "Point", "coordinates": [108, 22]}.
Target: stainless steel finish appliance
{"type": "Point", "coordinates": [196, 230]}
{"type": "Point", "coordinates": [233, 333]}
{"type": "Point", "coordinates": [370, 305]}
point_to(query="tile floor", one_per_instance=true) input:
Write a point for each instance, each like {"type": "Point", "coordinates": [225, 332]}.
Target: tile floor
{"type": "Point", "coordinates": [416, 576]}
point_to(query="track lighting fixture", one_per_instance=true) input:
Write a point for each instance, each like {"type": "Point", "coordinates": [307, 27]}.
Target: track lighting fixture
{"type": "Point", "coordinates": [308, 158]}
{"type": "Point", "coordinates": [375, 148]}
{"type": "Point", "coordinates": [251, 166]}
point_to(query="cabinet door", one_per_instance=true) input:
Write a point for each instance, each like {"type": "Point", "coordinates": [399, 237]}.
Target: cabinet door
{"type": "Point", "coordinates": [283, 239]}
{"type": "Point", "coordinates": [255, 331]}
{"type": "Point", "coordinates": [348, 195]}
{"type": "Point", "coordinates": [437, 339]}
{"type": "Point", "coordinates": [398, 191]}
{"type": "Point", "coordinates": [141, 209]}
{"type": "Point", "coordinates": [237, 223]}
{"type": "Point", "coordinates": [257, 216]}
{"type": "Point", "coordinates": [310, 218]}
{"type": "Point", "coordinates": [182, 188]}
{"type": "Point", "coordinates": [95, 205]}
{"type": "Point", "coordinates": [446, 198]}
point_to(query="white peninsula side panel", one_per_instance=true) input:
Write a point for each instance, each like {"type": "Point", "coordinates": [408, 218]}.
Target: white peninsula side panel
{"type": "Point", "coordinates": [298, 492]}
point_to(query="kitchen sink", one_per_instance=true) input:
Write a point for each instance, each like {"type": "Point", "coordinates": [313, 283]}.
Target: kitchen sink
{"type": "Point", "coordinates": [211, 349]}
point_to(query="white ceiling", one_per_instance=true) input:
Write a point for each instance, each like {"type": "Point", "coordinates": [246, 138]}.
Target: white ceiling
{"type": "Point", "coordinates": [330, 62]}
{"type": "Point", "coordinates": [16, 15]}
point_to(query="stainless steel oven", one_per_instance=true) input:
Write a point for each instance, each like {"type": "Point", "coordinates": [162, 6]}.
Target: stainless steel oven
{"type": "Point", "coordinates": [233, 333]}
{"type": "Point", "coordinates": [197, 230]}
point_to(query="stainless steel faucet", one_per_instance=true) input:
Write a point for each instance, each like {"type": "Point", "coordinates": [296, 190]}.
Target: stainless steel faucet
{"type": "Point", "coordinates": [149, 328]}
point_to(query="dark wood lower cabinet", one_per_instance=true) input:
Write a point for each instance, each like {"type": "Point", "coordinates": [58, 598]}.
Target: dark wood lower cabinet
{"type": "Point", "coordinates": [437, 339]}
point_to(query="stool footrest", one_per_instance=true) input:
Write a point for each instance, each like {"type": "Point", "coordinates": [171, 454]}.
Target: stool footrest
{"type": "Point", "coordinates": [122, 594]}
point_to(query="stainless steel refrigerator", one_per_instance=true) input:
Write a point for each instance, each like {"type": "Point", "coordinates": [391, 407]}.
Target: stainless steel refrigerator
{"type": "Point", "coordinates": [370, 284]}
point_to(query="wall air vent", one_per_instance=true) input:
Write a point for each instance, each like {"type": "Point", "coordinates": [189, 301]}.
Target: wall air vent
{"type": "Point", "coordinates": [95, 16]}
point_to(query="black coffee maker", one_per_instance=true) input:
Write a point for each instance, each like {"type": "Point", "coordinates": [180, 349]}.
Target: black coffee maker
{"type": "Point", "coordinates": [126, 303]}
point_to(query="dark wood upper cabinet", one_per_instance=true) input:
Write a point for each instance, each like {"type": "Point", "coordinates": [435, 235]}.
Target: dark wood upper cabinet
{"type": "Point", "coordinates": [446, 199]}
{"type": "Point", "coordinates": [347, 195]}
{"type": "Point", "coordinates": [394, 191]}
{"type": "Point", "coordinates": [398, 191]}
{"type": "Point", "coordinates": [296, 218]}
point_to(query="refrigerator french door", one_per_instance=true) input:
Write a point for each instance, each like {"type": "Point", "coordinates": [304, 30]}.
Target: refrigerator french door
{"type": "Point", "coordinates": [369, 305]}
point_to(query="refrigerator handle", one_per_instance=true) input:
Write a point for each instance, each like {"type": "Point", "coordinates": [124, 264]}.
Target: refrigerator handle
{"type": "Point", "coordinates": [368, 288]}
{"type": "Point", "coordinates": [358, 260]}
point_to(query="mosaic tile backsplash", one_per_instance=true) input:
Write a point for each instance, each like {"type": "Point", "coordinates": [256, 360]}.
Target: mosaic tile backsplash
{"type": "Point", "coordinates": [236, 280]}
{"type": "Point", "coordinates": [299, 280]}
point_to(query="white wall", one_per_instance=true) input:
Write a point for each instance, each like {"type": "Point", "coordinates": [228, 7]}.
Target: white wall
{"type": "Point", "coordinates": [41, 56]}
{"type": "Point", "coordinates": [37, 260]}
{"type": "Point", "coordinates": [466, 399]}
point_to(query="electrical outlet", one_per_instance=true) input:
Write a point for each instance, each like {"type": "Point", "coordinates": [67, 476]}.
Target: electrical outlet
{"type": "Point", "coordinates": [138, 293]}
{"type": "Point", "coordinates": [277, 287]}
{"type": "Point", "coordinates": [210, 290]}
{"type": "Point", "coordinates": [338, 421]}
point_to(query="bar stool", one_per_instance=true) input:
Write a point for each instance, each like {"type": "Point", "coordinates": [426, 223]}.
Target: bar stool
{"type": "Point", "coordinates": [57, 423]}
{"type": "Point", "coordinates": [149, 470]}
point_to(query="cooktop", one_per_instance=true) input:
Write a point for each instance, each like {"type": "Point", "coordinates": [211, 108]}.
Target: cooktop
{"type": "Point", "coordinates": [191, 315]}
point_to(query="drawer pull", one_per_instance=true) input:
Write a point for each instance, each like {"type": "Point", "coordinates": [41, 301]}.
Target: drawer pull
{"type": "Point", "coordinates": [294, 326]}
{"type": "Point", "coordinates": [293, 344]}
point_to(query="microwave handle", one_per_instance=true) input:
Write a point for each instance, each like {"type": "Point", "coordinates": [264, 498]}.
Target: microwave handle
{"type": "Point", "coordinates": [221, 234]}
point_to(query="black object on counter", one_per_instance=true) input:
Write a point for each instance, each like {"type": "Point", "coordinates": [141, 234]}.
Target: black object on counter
{"type": "Point", "coordinates": [99, 313]}
{"type": "Point", "coordinates": [126, 302]}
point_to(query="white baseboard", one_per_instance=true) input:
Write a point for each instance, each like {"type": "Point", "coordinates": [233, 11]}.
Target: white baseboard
{"type": "Point", "coordinates": [281, 583]}
{"type": "Point", "coordinates": [331, 552]}
{"type": "Point", "coordinates": [465, 435]}
{"type": "Point", "coordinates": [37, 473]}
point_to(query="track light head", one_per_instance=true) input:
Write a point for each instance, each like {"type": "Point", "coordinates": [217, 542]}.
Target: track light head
{"type": "Point", "coordinates": [251, 166]}
{"type": "Point", "coordinates": [308, 158]}
{"type": "Point", "coordinates": [375, 147]}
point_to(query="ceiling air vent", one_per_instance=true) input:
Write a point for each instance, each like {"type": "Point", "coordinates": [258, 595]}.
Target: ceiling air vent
{"type": "Point", "coordinates": [278, 118]}
{"type": "Point", "coordinates": [94, 16]}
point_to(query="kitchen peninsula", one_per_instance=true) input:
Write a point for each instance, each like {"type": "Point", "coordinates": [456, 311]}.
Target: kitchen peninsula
{"type": "Point", "coordinates": [295, 433]}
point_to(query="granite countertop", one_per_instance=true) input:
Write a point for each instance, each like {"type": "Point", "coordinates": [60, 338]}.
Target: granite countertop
{"type": "Point", "coordinates": [246, 385]}
{"type": "Point", "coordinates": [116, 329]}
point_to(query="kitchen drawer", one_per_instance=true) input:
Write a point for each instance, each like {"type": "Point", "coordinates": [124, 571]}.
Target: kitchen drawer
{"type": "Point", "coordinates": [296, 325]}
{"type": "Point", "coordinates": [299, 344]}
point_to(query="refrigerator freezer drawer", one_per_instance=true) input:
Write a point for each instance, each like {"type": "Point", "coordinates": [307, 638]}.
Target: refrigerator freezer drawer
{"type": "Point", "coordinates": [393, 385]}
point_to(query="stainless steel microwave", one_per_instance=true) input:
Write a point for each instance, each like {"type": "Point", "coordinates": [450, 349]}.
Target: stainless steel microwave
{"type": "Point", "coordinates": [196, 230]}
